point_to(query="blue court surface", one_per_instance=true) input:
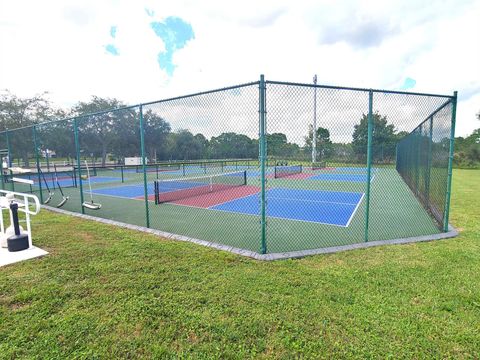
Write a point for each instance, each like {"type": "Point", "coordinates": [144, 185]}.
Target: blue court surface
{"type": "Point", "coordinates": [355, 169]}
{"type": "Point", "coordinates": [137, 190]}
{"type": "Point", "coordinates": [101, 179]}
{"type": "Point", "coordinates": [325, 207]}
{"type": "Point", "coordinates": [69, 182]}
{"type": "Point", "coordinates": [65, 182]}
{"type": "Point", "coordinates": [341, 177]}
{"type": "Point", "coordinates": [127, 191]}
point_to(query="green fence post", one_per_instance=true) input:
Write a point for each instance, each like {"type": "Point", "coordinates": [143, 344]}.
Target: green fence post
{"type": "Point", "coordinates": [450, 162]}
{"type": "Point", "coordinates": [9, 161]}
{"type": "Point", "coordinates": [1, 172]}
{"type": "Point", "coordinates": [9, 156]}
{"type": "Point", "coordinates": [47, 159]}
{"type": "Point", "coordinates": [79, 164]}
{"type": "Point", "coordinates": [429, 162]}
{"type": "Point", "coordinates": [144, 166]}
{"type": "Point", "coordinates": [37, 161]}
{"type": "Point", "coordinates": [369, 160]}
{"type": "Point", "coordinates": [262, 158]}
{"type": "Point", "coordinates": [417, 150]}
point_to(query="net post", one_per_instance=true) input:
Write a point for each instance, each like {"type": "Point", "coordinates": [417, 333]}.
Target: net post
{"type": "Point", "coordinates": [37, 161]}
{"type": "Point", "coordinates": [77, 150]}
{"type": "Point", "coordinates": [144, 165]}
{"type": "Point", "coordinates": [74, 173]}
{"type": "Point", "coordinates": [369, 160]}
{"type": "Point", "coordinates": [450, 162]}
{"type": "Point", "coordinates": [121, 171]}
{"type": "Point", "coordinates": [262, 153]}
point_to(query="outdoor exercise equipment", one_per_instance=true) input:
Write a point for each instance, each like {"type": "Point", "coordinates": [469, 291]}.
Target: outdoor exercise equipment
{"type": "Point", "coordinates": [18, 241]}
{"type": "Point", "coordinates": [91, 204]}
{"type": "Point", "coordinates": [50, 193]}
{"type": "Point", "coordinates": [64, 198]}
{"type": "Point", "coordinates": [14, 237]}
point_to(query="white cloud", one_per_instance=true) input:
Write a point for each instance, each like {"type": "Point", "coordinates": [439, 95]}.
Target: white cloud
{"type": "Point", "coordinates": [60, 47]}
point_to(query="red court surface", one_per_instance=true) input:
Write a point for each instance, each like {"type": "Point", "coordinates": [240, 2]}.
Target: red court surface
{"type": "Point", "coordinates": [218, 197]}
{"type": "Point", "coordinates": [214, 198]}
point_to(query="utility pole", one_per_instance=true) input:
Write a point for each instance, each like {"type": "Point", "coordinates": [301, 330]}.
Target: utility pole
{"type": "Point", "coordinates": [314, 133]}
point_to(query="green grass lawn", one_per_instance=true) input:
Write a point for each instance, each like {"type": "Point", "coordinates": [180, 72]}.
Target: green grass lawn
{"type": "Point", "coordinates": [105, 292]}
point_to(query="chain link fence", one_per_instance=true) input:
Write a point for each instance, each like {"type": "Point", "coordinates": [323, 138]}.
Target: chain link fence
{"type": "Point", "coordinates": [267, 166]}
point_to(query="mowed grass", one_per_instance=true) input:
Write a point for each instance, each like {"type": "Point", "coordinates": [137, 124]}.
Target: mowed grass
{"type": "Point", "coordinates": [105, 292]}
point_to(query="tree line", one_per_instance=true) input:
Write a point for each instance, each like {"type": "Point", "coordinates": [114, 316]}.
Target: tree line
{"type": "Point", "coordinates": [114, 135]}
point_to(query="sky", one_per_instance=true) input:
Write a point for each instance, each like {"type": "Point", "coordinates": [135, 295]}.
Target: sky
{"type": "Point", "coordinates": [139, 51]}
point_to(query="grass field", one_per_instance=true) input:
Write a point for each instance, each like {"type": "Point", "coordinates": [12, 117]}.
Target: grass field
{"type": "Point", "coordinates": [105, 292]}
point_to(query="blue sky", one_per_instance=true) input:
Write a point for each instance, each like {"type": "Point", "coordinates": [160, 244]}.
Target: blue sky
{"type": "Point", "coordinates": [173, 31]}
{"type": "Point", "coordinates": [145, 50]}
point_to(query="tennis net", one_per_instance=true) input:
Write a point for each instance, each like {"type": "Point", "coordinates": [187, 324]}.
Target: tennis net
{"type": "Point", "coordinates": [283, 171]}
{"type": "Point", "coordinates": [158, 167]}
{"type": "Point", "coordinates": [176, 189]}
{"type": "Point", "coordinates": [319, 165]}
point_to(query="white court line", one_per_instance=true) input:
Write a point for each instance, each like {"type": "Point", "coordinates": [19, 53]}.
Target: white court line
{"type": "Point", "coordinates": [114, 196]}
{"type": "Point", "coordinates": [313, 201]}
{"type": "Point", "coordinates": [241, 197]}
{"type": "Point", "coordinates": [292, 199]}
{"type": "Point", "coordinates": [355, 210]}
{"type": "Point", "coordinates": [277, 217]}
{"type": "Point", "coordinates": [255, 194]}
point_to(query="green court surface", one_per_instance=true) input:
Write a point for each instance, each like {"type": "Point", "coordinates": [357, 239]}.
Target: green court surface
{"type": "Point", "coordinates": [394, 212]}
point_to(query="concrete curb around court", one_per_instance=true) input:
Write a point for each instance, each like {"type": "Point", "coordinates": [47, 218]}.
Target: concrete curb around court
{"type": "Point", "coordinates": [264, 257]}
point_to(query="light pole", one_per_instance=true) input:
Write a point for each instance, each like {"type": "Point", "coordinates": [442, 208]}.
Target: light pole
{"type": "Point", "coordinates": [314, 130]}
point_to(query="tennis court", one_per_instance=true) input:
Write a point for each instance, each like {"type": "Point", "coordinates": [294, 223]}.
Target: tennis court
{"type": "Point", "coordinates": [230, 214]}
{"type": "Point", "coordinates": [325, 207]}
{"type": "Point", "coordinates": [216, 169]}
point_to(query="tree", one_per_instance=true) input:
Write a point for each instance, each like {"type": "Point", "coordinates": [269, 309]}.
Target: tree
{"type": "Point", "coordinates": [16, 112]}
{"type": "Point", "coordinates": [467, 150]}
{"type": "Point", "coordinates": [57, 136]}
{"type": "Point", "coordinates": [323, 145]}
{"type": "Point", "coordinates": [115, 131]}
{"type": "Point", "coordinates": [156, 133]}
{"type": "Point", "coordinates": [203, 142]}
{"type": "Point", "coordinates": [232, 146]}
{"type": "Point", "coordinates": [184, 146]}
{"type": "Point", "coordinates": [276, 143]}
{"type": "Point", "coordinates": [384, 139]}
{"type": "Point", "coordinates": [342, 153]}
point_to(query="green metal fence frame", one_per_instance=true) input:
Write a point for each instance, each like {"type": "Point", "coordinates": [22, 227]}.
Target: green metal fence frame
{"type": "Point", "coordinates": [144, 165]}
{"type": "Point", "coordinates": [369, 161]}
{"type": "Point", "coordinates": [37, 161]}
{"type": "Point", "coordinates": [262, 154]}
{"type": "Point", "coordinates": [450, 161]}
{"type": "Point", "coordinates": [262, 160]}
